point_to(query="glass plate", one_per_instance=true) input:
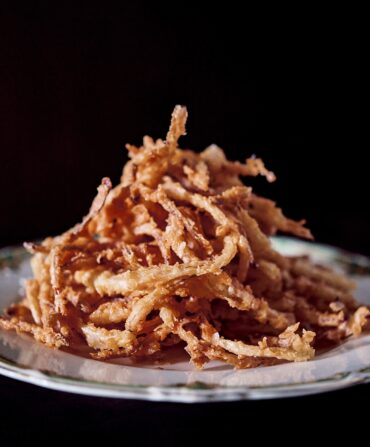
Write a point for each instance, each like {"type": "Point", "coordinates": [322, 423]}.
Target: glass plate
{"type": "Point", "coordinates": [23, 359]}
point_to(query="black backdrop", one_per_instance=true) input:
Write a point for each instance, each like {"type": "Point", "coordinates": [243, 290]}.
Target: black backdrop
{"type": "Point", "coordinates": [78, 82]}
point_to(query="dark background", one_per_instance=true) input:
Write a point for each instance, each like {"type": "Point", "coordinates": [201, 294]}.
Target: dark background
{"type": "Point", "coordinates": [77, 82]}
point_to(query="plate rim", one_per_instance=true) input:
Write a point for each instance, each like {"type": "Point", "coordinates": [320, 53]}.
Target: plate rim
{"type": "Point", "coordinates": [182, 393]}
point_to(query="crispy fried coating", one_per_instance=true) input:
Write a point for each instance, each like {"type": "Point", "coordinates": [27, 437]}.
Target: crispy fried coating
{"type": "Point", "coordinates": [179, 253]}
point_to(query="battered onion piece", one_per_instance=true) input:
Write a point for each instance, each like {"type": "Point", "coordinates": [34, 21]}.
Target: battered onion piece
{"type": "Point", "coordinates": [110, 340]}
{"type": "Point", "coordinates": [43, 335]}
{"type": "Point", "coordinates": [179, 253]}
{"type": "Point", "coordinates": [289, 346]}
{"type": "Point", "coordinates": [111, 312]}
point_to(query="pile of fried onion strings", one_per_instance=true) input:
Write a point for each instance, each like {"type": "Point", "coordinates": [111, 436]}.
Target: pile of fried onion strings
{"type": "Point", "coordinates": [178, 254]}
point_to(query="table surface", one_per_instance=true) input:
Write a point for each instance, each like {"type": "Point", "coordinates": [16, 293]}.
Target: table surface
{"type": "Point", "coordinates": [28, 408]}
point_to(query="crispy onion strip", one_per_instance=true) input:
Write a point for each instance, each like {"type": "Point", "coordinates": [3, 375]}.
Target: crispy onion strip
{"type": "Point", "coordinates": [292, 347]}
{"type": "Point", "coordinates": [110, 340]}
{"type": "Point", "coordinates": [41, 334]}
{"type": "Point", "coordinates": [179, 253]}
{"type": "Point", "coordinates": [107, 283]}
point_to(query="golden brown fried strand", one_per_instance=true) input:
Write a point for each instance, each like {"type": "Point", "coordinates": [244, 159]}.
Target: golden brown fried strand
{"type": "Point", "coordinates": [259, 242]}
{"type": "Point", "coordinates": [177, 126]}
{"type": "Point", "coordinates": [309, 315]}
{"type": "Point", "coordinates": [111, 312]}
{"type": "Point", "coordinates": [317, 290]}
{"type": "Point", "coordinates": [41, 270]}
{"type": "Point", "coordinates": [198, 176]}
{"type": "Point", "coordinates": [176, 192]}
{"type": "Point", "coordinates": [357, 321]}
{"type": "Point", "coordinates": [220, 166]}
{"type": "Point", "coordinates": [142, 308]}
{"type": "Point", "coordinates": [109, 340]}
{"type": "Point", "coordinates": [42, 334]}
{"type": "Point", "coordinates": [186, 222]}
{"type": "Point", "coordinates": [302, 267]}
{"type": "Point", "coordinates": [113, 221]}
{"type": "Point", "coordinates": [245, 258]}
{"type": "Point", "coordinates": [107, 283]}
{"type": "Point", "coordinates": [146, 225]}
{"type": "Point", "coordinates": [33, 248]}
{"type": "Point", "coordinates": [179, 251]}
{"type": "Point", "coordinates": [96, 205]}
{"type": "Point", "coordinates": [271, 218]}
{"type": "Point", "coordinates": [291, 346]}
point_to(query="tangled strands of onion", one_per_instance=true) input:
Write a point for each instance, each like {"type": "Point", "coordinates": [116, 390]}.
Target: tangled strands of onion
{"type": "Point", "coordinates": [179, 254]}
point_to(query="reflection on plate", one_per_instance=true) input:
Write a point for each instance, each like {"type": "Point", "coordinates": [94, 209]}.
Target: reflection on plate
{"type": "Point", "coordinates": [23, 359]}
